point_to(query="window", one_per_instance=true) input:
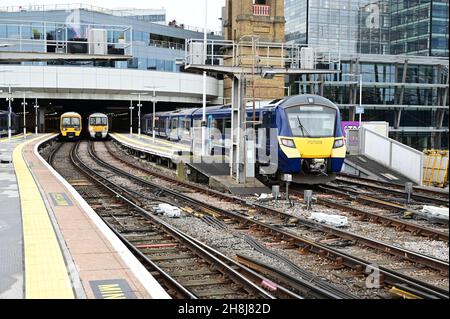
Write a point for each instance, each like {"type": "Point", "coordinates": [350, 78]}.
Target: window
{"type": "Point", "coordinates": [311, 121]}
{"type": "Point", "coordinates": [98, 121]}
{"type": "Point", "coordinates": [70, 121]}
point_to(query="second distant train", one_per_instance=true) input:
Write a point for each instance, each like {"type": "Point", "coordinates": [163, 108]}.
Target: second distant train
{"type": "Point", "coordinates": [98, 125]}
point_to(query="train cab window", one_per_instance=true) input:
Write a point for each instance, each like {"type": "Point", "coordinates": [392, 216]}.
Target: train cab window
{"type": "Point", "coordinates": [311, 121]}
{"type": "Point", "coordinates": [98, 121]}
{"type": "Point", "coordinates": [174, 123]}
{"type": "Point", "coordinates": [70, 121]}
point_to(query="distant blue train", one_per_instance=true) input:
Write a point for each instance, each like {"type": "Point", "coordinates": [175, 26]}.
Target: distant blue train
{"type": "Point", "coordinates": [310, 140]}
{"type": "Point", "coordinates": [4, 123]}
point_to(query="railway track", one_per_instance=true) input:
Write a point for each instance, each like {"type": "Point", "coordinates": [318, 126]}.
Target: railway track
{"type": "Point", "coordinates": [185, 267]}
{"type": "Point", "coordinates": [390, 277]}
{"type": "Point", "coordinates": [419, 195]}
{"type": "Point", "coordinates": [385, 214]}
{"type": "Point", "coordinates": [145, 242]}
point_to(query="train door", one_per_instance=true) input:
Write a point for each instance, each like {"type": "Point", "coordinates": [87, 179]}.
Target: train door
{"type": "Point", "coordinates": [166, 126]}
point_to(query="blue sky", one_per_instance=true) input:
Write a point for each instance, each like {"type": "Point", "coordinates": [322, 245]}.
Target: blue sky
{"type": "Point", "coordinates": [189, 12]}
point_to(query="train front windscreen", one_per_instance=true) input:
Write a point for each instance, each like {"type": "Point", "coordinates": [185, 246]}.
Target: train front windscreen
{"type": "Point", "coordinates": [311, 120]}
{"type": "Point", "coordinates": [71, 122]}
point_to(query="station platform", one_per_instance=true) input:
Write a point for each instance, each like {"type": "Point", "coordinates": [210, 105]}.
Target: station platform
{"type": "Point", "coordinates": [362, 166]}
{"type": "Point", "coordinates": [213, 170]}
{"type": "Point", "coordinates": [52, 244]}
{"type": "Point", "coordinates": [160, 147]}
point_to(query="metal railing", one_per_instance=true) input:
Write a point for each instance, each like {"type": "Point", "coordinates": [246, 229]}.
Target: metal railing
{"type": "Point", "coordinates": [55, 37]}
{"type": "Point", "coordinates": [266, 54]}
{"type": "Point", "coordinates": [122, 13]}
{"type": "Point", "coordinates": [261, 10]}
{"type": "Point", "coordinates": [167, 44]}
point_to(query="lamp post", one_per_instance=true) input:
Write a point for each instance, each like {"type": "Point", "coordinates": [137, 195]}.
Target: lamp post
{"type": "Point", "coordinates": [9, 99]}
{"type": "Point", "coordinates": [139, 105]}
{"type": "Point", "coordinates": [131, 117]}
{"type": "Point", "coordinates": [36, 108]}
{"type": "Point", "coordinates": [24, 104]}
{"type": "Point", "coordinates": [360, 94]}
{"type": "Point", "coordinates": [360, 98]}
{"type": "Point", "coordinates": [154, 109]}
{"type": "Point", "coordinates": [205, 52]}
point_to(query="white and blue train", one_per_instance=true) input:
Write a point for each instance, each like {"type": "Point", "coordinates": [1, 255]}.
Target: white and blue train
{"type": "Point", "coordinates": [310, 140]}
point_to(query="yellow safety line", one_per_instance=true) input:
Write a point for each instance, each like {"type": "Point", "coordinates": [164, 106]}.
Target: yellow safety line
{"type": "Point", "coordinates": [46, 275]}
{"type": "Point", "coordinates": [15, 137]}
{"type": "Point", "coordinates": [149, 146]}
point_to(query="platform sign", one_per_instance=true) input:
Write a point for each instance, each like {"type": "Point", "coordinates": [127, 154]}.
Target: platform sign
{"type": "Point", "coordinates": [351, 125]}
{"type": "Point", "coordinates": [359, 109]}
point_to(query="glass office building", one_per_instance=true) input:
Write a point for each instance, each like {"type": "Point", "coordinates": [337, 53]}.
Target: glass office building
{"type": "Point", "coordinates": [415, 27]}
{"type": "Point", "coordinates": [419, 27]}
{"type": "Point", "coordinates": [353, 26]}
{"type": "Point", "coordinates": [398, 47]}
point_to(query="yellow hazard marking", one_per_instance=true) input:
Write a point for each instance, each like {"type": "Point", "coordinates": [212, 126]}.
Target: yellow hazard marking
{"type": "Point", "coordinates": [14, 137]}
{"type": "Point", "coordinates": [46, 275]}
{"type": "Point", "coordinates": [59, 199]}
{"type": "Point", "coordinates": [112, 291]}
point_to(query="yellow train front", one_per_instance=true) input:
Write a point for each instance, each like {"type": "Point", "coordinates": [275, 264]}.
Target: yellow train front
{"type": "Point", "coordinates": [98, 125]}
{"type": "Point", "coordinates": [70, 125]}
{"type": "Point", "coordinates": [311, 142]}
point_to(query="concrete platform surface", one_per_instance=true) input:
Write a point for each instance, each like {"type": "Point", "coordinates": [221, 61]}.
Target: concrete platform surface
{"type": "Point", "coordinates": [68, 252]}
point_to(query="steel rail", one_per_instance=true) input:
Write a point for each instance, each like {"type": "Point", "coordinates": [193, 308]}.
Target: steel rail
{"type": "Point", "coordinates": [373, 201]}
{"type": "Point", "coordinates": [169, 280]}
{"type": "Point", "coordinates": [193, 244]}
{"type": "Point", "coordinates": [391, 190]}
{"type": "Point", "coordinates": [390, 276]}
{"type": "Point", "coordinates": [384, 220]}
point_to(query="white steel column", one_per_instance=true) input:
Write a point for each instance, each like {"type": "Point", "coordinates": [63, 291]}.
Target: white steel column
{"type": "Point", "coordinates": [205, 52]}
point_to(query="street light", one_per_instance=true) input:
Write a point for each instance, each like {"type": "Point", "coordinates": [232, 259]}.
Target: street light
{"type": "Point", "coordinates": [131, 117]}
{"type": "Point", "coordinates": [139, 105]}
{"type": "Point", "coordinates": [360, 94]}
{"type": "Point", "coordinates": [205, 52]}
{"type": "Point", "coordinates": [154, 109]}
{"type": "Point", "coordinates": [9, 99]}
{"type": "Point", "coordinates": [24, 104]}
{"type": "Point", "coordinates": [36, 108]}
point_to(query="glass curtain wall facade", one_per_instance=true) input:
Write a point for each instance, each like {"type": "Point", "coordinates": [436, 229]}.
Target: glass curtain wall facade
{"type": "Point", "coordinates": [371, 35]}
{"type": "Point", "coordinates": [415, 27]}
{"type": "Point", "coordinates": [353, 26]}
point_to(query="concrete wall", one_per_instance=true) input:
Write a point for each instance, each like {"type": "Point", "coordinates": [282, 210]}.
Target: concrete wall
{"type": "Point", "coordinates": [392, 154]}
{"type": "Point", "coordinates": [62, 82]}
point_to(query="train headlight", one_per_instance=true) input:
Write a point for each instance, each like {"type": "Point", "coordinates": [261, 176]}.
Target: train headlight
{"type": "Point", "coordinates": [339, 143]}
{"type": "Point", "coordinates": [287, 142]}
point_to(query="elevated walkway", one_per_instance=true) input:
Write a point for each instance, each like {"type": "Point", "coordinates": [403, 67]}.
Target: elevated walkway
{"type": "Point", "coordinates": [374, 155]}
{"type": "Point", "coordinates": [362, 166]}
